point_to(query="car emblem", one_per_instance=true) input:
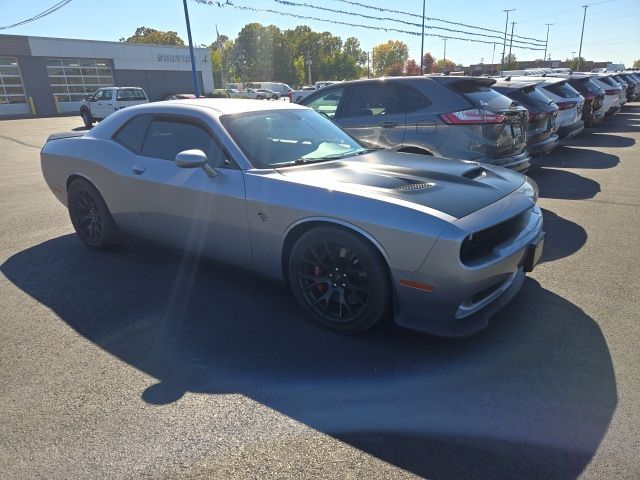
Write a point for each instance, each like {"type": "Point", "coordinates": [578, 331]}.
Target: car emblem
{"type": "Point", "coordinates": [262, 216]}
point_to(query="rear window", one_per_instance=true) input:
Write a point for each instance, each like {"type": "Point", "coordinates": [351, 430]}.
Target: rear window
{"type": "Point", "coordinates": [609, 81]}
{"type": "Point", "coordinates": [586, 86]}
{"type": "Point", "coordinates": [481, 94]}
{"type": "Point", "coordinates": [528, 97]}
{"type": "Point", "coordinates": [562, 89]}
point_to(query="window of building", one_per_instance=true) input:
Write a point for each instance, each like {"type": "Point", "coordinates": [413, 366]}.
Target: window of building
{"type": "Point", "coordinates": [11, 89]}
{"type": "Point", "coordinates": [73, 78]}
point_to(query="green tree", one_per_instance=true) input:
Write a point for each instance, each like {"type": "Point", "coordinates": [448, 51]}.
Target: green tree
{"type": "Point", "coordinates": [444, 64]}
{"type": "Point", "coordinates": [573, 63]}
{"type": "Point", "coordinates": [388, 54]}
{"type": "Point", "coordinates": [636, 64]}
{"type": "Point", "coordinates": [158, 37]}
{"type": "Point", "coordinates": [394, 70]}
{"type": "Point", "coordinates": [510, 62]}
{"type": "Point", "coordinates": [428, 62]}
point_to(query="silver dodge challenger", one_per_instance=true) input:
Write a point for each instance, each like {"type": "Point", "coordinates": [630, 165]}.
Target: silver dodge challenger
{"type": "Point", "coordinates": [357, 234]}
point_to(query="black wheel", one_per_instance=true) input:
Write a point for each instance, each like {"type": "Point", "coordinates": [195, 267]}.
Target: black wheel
{"type": "Point", "coordinates": [90, 216]}
{"type": "Point", "coordinates": [87, 118]}
{"type": "Point", "coordinates": [275, 97]}
{"type": "Point", "coordinates": [339, 280]}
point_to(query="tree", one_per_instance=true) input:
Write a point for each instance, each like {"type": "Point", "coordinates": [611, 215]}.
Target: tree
{"type": "Point", "coordinates": [573, 63]}
{"type": "Point", "coordinates": [389, 54]}
{"type": "Point", "coordinates": [510, 62]}
{"type": "Point", "coordinates": [636, 64]}
{"type": "Point", "coordinates": [158, 37]}
{"type": "Point", "coordinates": [427, 62]}
{"type": "Point", "coordinates": [411, 68]}
{"type": "Point", "coordinates": [394, 70]}
{"type": "Point", "coordinates": [445, 65]}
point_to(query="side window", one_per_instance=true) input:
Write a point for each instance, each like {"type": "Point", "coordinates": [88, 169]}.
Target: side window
{"type": "Point", "coordinates": [373, 100]}
{"type": "Point", "coordinates": [125, 95]}
{"type": "Point", "coordinates": [327, 103]}
{"type": "Point", "coordinates": [107, 95]}
{"type": "Point", "coordinates": [132, 134]}
{"type": "Point", "coordinates": [166, 138]}
{"type": "Point", "coordinates": [413, 99]}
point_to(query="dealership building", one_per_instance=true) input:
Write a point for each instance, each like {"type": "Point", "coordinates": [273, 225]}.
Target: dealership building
{"type": "Point", "coordinates": [48, 76]}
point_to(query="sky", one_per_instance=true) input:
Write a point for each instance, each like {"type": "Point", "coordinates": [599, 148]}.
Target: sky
{"type": "Point", "coordinates": [612, 31]}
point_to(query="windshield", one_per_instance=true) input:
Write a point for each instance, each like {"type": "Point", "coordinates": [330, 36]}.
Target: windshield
{"type": "Point", "coordinates": [288, 137]}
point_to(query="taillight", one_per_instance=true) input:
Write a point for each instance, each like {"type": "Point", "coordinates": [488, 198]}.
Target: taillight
{"type": "Point", "coordinates": [533, 116]}
{"type": "Point", "coordinates": [566, 105]}
{"type": "Point", "coordinates": [612, 91]}
{"type": "Point", "coordinates": [473, 116]}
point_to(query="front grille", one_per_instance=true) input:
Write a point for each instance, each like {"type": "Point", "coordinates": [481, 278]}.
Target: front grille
{"type": "Point", "coordinates": [481, 244]}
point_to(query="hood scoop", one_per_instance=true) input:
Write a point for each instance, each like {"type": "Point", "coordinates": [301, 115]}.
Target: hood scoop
{"type": "Point", "coordinates": [413, 187]}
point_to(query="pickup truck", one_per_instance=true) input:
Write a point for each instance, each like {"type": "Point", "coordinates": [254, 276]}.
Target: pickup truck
{"type": "Point", "coordinates": [296, 95]}
{"type": "Point", "coordinates": [107, 100]}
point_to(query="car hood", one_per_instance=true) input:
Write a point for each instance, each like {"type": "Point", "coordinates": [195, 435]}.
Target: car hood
{"type": "Point", "coordinates": [456, 188]}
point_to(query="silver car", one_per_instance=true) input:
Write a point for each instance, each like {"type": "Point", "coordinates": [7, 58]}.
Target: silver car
{"type": "Point", "coordinates": [356, 233]}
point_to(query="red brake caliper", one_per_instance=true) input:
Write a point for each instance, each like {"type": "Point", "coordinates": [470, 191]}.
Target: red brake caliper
{"type": "Point", "coordinates": [316, 272]}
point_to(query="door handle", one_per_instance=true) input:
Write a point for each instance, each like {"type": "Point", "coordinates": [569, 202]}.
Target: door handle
{"type": "Point", "coordinates": [109, 103]}
{"type": "Point", "coordinates": [389, 124]}
{"type": "Point", "coordinates": [138, 170]}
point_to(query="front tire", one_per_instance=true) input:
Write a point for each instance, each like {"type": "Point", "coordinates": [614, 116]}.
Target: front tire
{"type": "Point", "coordinates": [90, 216]}
{"type": "Point", "coordinates": [339, 280]}
{"type": "Point", "coordinates": [87, 118]}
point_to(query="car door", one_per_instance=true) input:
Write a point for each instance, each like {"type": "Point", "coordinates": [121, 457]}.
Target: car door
{"type": "Point", "coordinates": [374, 113]}
{"type": "Point", "coordinates": [187, 207]}
{"type": "Point", "coordinates": [104, 104]}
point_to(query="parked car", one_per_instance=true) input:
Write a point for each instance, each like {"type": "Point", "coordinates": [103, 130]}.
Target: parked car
{"type": "Point", "coordinates": [454, 117]}
{"type": "Point", "coordinates": [633, 80]}
{"type": "Point", "coordinates": [107, 100]}
{"type": "Point", "coordinates": [268, 94]}
{"type": "Point", "coordinates": [541, 131]}
{"type": "Point", "coordinates": [233, 92]}
{"type": "Point", "coordinates": [282, 89]}
{"type": "Point", "coordinates": [625, 86]}
{"type": "Point", "coordinates": [253, 94]}
{"type": "Point", "coordinates": [282, 191]}
{"type": "Point", "coordinates": [297, 95]}
{"type": "Point", "coordinates": [593, 110]}
{"type": "Point", "coordinates": [569, 121]}
{"type": "Point", "coordinates": [630, 85]}
{"type": "Point", "coordinates": [181, 96]}
{"type": "Point", "coordinates": [615, 90]}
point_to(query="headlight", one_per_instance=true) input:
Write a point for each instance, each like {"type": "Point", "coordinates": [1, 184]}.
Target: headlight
{"type": "Point", "coordinates": [530, 189]}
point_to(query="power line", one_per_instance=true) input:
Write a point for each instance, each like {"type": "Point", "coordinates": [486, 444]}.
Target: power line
{"type": "Point", "coordinates": [410, 14]}
{"type": "Point", "coordinates": [40, 15]}
{"type": "Point", "coordinates": [389, 19]}
{"type": "Point", "coordinates": [228, 3]}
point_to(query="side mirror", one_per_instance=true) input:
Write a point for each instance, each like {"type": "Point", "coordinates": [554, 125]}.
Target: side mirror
{"type": "Point", "coordinates": [191, 159]}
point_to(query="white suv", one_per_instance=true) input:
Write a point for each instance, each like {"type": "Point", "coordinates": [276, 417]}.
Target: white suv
{"type": "Point", "coordinates": [569, 121]}
{"type": "Point", "coordinates": [108, 100]}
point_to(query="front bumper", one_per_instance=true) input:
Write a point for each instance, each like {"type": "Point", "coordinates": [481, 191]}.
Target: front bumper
{"type": "Point", "coordinates": [465, 296]}
{"type": "Point", "coordinates": [543, 147]}
{"type": "Point", "coordinates": [569, 131]}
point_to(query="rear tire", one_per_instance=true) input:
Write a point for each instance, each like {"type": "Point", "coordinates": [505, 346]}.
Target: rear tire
{"type": "Point", "coordinates": [90, 216]}
{"type": "Point", "coordinates": [339, 280]}
{"type": "Point", "coordinates": [87, 118]}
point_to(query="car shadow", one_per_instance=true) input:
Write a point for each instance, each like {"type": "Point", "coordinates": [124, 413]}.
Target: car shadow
{"type": "Point", "coordinates": [563, 184]}
{"type": "Point", "coordinates": [571, 157]}
{"type": "Point", "coordinates": [563, 239]}
{"type": "Point", "coordinates": [600, 140]}
{"type": "Point", "coordinates": [531, 396]}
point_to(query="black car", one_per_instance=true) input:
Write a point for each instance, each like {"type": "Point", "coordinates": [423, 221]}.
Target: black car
{"type": "Point", "coordinates": [634, 86]}
{"type": "Point", "coordinates": [446, 116]}
{"type": "Point", "coordinates": [592, 112]}
{"type": "Point", "coordinates": [541, 132]}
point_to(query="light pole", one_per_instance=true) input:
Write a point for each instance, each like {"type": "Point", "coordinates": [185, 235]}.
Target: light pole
{"type": "Point", "coordinates": [422, 44]}
{"type": "Point", "coordinates": [584, 17]}
{"type": "Point", "coordinates": [444, 56]}
{"type": "Point", "coordinates": [546, 43]}
{"type": "Point", "coordinates": [504, 43]}
{"type": "Point", "coordinates": [492, 56]}
{"type": "Point", "coordinates": [196, 87]}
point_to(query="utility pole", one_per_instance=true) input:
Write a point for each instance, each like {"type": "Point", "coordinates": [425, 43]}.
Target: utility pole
{"type": "Point", "coordinates": [444, 56]}
{"type": "Point", "coordinates": [368, 67]}
{"type": "Point", "coordinates": [511, 41]}
{"type": "Point", "coordinates": [196, 87]}
{"type": "Point", "coordinates": [504, 43]}
{"type": "Point", "coordinates": [422, 44]}
{"type": "Point", "coordinates": [546, 43]}
{"type": "Point", "coordinates": [492, 56]}
{"type": "Point", "coordinates": [481, 60]}
{"type": "Point", "coordinates": [584, 17]}
{"type": "Point", "coordinates": [309, 62]}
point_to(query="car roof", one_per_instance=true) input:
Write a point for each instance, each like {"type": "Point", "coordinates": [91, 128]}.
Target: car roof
{"type": "Point", "coordinates": [537, 80]}
{"type": "Point", "coordinates": [514, 84]}
{"type": "Point", "coordinates": [225, 106]}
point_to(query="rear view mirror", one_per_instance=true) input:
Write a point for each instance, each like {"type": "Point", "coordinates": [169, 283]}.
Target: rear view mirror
{"type": "Point", "coordinates": [191, 159]}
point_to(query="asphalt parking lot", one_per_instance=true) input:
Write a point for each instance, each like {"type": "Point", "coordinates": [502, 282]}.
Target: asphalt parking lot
{"type": "Point", "coordinates": [142, 363]}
